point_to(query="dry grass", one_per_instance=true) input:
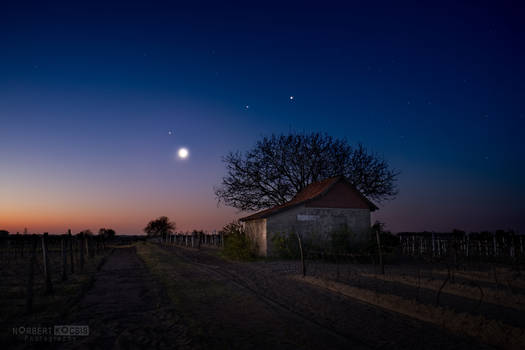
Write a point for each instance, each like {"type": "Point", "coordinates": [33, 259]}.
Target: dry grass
{"type": "Point", "coordinates": [504, 277]}
{"type": "Point", "coordinates": [489, 331]}
{"type": "Point", "coordinates": [460, 289]}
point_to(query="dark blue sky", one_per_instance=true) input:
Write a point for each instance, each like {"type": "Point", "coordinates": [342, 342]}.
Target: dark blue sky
{"type": "Point", "coordinates": [89, 92]}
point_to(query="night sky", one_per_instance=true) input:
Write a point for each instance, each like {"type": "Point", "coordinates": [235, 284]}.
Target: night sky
{"type": "Point", "coordinates": [95, 101]}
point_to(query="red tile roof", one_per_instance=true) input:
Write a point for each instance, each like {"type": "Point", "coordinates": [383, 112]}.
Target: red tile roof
{"type": "Point", "coordinates": [309, 193]}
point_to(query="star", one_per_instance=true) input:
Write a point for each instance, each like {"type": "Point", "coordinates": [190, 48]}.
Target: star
{"type": "Point", "coordinates": [170, 132]}
{"type": "Point", "coordinates": [291, 98]}
{"type": "Point", "coordinates": [247, 107]}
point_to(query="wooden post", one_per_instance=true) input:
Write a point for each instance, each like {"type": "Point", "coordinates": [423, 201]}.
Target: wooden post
{"type": "Point", "coordinates": [64, 258]}
{"type": "Point", "coordinates": [380, 251]}
{"type": "Point", "coordinates": [81, 251]}
{"type": "Point", "coordinates": [45, 260]}
{"type": "Point", "coordinates": [92, 250]}
{"type": "Point", "coordinates": [302, 256]}
{"type": "Point", "coordinates": [467, 244]}
{"type": "Point", "coordinates": [87, 246]}
{"type": "Point", "coordinates": [30, 273]}
{"type": "Point", "coordinates": [71, 251]}
{"type": "Point", "coordinates": [8, 249]}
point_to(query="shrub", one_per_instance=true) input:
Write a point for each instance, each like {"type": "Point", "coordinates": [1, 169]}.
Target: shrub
{"type": "Point", "coordinates": [285, 246]}
{"type": "Point", "coordinates": [237, 245]}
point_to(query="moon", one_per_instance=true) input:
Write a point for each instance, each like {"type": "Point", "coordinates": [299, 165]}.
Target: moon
{"type": "Point", "coordinates": [183, 153]}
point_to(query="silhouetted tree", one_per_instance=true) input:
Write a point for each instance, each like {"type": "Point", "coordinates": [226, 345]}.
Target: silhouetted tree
{"type": "Point", "coordinates": [4, 233]}
{"type": "Point", "coordinates": [86, 233]}
{"type": "Point", "coordinates": [106, 233]}
{"type": "Point", "coordinates": [159, 227]}
{"type": "Point", "coordinates": [278, 167]}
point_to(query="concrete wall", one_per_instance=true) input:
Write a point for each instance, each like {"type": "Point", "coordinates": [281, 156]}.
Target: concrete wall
{"type": "Point", "coordinates": [256, 230]}
{"type": "Point", "coordinates": [317, 223]}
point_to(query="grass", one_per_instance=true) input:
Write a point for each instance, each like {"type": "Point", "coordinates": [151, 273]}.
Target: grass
{"type": "Point", "coordinates": [184, 289]}
{"type": "Point", "coordinates": [489, 294]}
{"type": "Point", "coordinates": [504, 276]}
{"type": "Point", "coordinates": [489, 331]}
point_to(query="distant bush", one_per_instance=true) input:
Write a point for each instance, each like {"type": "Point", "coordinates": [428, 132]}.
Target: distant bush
{"type": "Point", "coordinates": [237, 245]}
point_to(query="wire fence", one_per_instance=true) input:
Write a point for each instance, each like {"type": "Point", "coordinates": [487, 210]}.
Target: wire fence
{"type": "Point", "coordinates": [194, 239]}
{"type": "Point", "coordinates": [33, 265]}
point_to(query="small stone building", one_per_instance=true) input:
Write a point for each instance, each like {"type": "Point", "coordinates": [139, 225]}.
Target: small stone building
{"type": "Point", "coordinates": [318, 210]}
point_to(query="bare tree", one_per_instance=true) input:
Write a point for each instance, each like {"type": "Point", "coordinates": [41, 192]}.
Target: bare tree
{"type": "Point", "coordinates": [278, 167]}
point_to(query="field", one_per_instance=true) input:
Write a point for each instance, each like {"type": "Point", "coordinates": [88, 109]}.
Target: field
{"type": "Point", "coordinates": [149, 296]}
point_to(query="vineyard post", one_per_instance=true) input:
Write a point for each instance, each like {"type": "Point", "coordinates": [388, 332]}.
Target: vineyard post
{"type": "Point", "coordinates": [377, 229]}
{"type": "Point", "coordinates": [86, 242]}
{"type": "Point", "coordinates": [468, 244]}
{"type": "Point", "coordinates": [81, 251]}
{"type": "Point", "coordinates": [92, 250]}
{"type": "Point", "coordinates": [32, 260]}
{"type": "Point", "coordinates": [8, 250]}
{"type": "Point", "coordinates": [222, 238]}
{"type": "Point", "coordinates": [71, 252]}
{"type": "Point", "coordinates": [45, 260]}
{"type": "Point", "coordinates": [303, 267]}
{"type": "Point", "coordinates": [433, 244]}
{"type": "Point", "coordinates": [64, 258]}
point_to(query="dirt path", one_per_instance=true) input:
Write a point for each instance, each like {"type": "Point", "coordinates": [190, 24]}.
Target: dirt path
{"type": "Point", "coordinates": [126, 309]}
{"type": "Point", "coordinates": [267, 310]}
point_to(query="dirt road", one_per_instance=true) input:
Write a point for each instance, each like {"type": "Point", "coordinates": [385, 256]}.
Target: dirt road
{"type": "Point", "coordinates": [127, 309]}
